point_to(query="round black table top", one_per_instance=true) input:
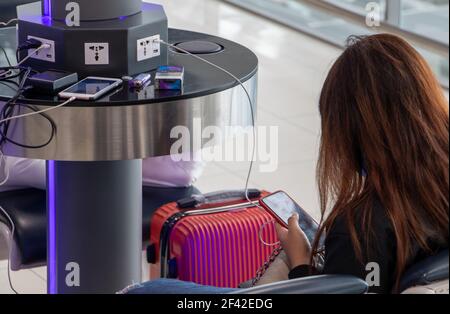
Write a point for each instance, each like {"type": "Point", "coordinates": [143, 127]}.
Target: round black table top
{"type": "Point", "coordinates": [200, 79]}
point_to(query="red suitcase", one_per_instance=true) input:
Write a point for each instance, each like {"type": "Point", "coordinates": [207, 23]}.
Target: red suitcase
{"type": "Point", "coordinates": [211, 240]}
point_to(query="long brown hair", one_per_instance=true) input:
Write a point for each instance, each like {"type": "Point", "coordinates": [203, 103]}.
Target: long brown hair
{"type": "Point", "coordinates": [385, 114]}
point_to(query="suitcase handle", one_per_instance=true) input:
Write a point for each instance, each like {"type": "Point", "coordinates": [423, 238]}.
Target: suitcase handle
{"type": "Point", "coordinates": [216, 197]}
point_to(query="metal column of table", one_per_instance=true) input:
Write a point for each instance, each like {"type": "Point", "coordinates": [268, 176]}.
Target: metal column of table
{"type": "Point", "coordinates": [94, 175]}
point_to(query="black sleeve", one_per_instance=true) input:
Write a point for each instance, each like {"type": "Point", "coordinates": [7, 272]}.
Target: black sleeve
{"type": "Point", "coordinates": [341, 257]}
{"type": "Point", "coordinates": [302, 271]}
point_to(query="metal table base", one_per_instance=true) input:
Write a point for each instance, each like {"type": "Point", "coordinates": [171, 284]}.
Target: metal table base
{"type": "Point", "coordinates": [94, 225]}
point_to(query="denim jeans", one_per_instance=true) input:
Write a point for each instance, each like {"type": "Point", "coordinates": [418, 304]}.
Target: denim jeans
{"type": "Point", "coordinates": [173, 286]}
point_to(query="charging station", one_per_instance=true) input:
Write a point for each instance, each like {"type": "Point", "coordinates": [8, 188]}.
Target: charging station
{"type": "Point", "coordinates": [113, 37]}
{"type": "Point", "coordinates": [93, 236]}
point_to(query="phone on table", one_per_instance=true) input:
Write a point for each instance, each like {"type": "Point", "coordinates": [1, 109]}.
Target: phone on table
{"type": "Point", "coordinates": [91, 88]}
{"type": "Point", "coordinates": [281, 206]}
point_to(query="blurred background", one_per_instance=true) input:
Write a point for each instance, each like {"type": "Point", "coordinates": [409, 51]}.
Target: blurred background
{"type": "Point", "coordinates": [424, 22]}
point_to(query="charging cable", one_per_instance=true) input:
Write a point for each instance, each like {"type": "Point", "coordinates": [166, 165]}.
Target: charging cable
{"type": "Point", "coordinates": [38, 112]}
{"type": "Point", "coordinates": [6, 74]}
{"type": "Point", "coordinates": [13, 227]}
{"type": "Point", "coordinates": [3, 161]}
{"type": "Point", "coordinates": [249, 100]}
{"type": "Point", "coordinates": [41, 47]}
{"type": "Point", "coordinates": [6, 169]}
{"type": "Point", "coordinates": [247, 181]}
{"type": "Point", "coordinates": [9, 22]}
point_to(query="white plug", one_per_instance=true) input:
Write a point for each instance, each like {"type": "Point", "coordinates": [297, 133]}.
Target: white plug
{"type": "Point", "coordinates": [45, 52]}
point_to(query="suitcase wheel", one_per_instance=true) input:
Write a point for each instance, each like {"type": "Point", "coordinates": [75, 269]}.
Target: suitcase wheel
{"type": "Point", "coordinates": [151, 254]}
{"type": "Point", "coordinates": [173, 272]}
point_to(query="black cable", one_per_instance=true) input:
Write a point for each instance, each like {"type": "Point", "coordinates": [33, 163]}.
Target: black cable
{"type": "Point", "coordinates": [9, 109]}
{"type": "Point", "coordinates": [28, 44]}
{"type": "Point", "coordinates": [10, 77]}
{"type": "Point", "coordinates": [52, 135]}
{"type": "Point", "coordinates": [10, 106]}
{"type": "Point", "coordinates": [6, 56]}
{"type": "Point", "coordinates": [6, 82]}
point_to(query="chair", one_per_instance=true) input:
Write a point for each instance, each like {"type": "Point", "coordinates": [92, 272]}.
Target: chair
{"type": "Point", "coordinates": [323, 284]}
{"type": "Point", "coordinates": [27, 209]}
{"type": "Point", "coordinates": [429, 276]}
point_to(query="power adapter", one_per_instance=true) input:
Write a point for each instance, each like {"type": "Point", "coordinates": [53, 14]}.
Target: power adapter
{"type": "Point", "coordinates": [52, 81]}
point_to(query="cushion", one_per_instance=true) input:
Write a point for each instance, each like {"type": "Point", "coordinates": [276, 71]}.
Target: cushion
{"type": "Point", "coordinates": [157, 171]}
{"type": "Point", "coordinates": [27, 208]}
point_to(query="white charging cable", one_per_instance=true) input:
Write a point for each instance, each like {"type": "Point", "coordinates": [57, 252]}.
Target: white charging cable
{"type": "Point", "coordinates": [6, 171]}
{"type": "Point", "coordinates": [11, 239]}
{"type": "Point", "coordinates": [246, 92]}
{"type": "Point", "coordinates": [38, 112]}
{"type": "Point", "coordinates": [9, 22]}
{"type": "Point", "coordinates": [7, 73]}
{"type": "Point", "coordinates": [3, 161]}
{"type": "Point", "coordinates": [247, 181]}
{"type": "Point", "coordinates": [43, 46]}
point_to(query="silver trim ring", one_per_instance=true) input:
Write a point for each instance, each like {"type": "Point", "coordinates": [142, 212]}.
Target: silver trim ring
{"type": "Point", "coordinates": [127, 132]}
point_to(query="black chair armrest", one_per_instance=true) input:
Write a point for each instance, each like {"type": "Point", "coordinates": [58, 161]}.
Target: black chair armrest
{"type": "Point", "coordinates": [431, 269]}
{"type": "Point", "coordinates": [323, 284]}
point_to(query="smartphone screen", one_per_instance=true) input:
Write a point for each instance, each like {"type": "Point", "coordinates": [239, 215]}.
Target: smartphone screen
{"type": "Point", "coordinates": [283, 207]}
{"type": "Point", "coordinates": [90, 86]}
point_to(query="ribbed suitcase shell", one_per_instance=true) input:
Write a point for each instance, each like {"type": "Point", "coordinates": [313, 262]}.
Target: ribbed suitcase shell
{"type": "Point", "coordinates": [219, 249]}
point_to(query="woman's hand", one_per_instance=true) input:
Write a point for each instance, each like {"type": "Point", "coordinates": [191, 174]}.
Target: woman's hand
{"type": "Point", "coordinates": [294, 242]}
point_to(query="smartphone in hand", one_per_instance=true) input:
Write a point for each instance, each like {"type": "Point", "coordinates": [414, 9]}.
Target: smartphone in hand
{"type": "Point", "coordinates": [281, 206]}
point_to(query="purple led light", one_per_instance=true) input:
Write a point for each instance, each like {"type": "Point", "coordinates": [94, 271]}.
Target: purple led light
{"type": "Point", "coordinates": [47, 8]}
{"type": "Point", "coordinates": [52, 287]}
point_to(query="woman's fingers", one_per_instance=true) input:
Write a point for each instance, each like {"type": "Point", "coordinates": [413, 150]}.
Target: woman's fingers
{"type": "Point", "coordinates": [278, 227]}
{"type": "Point", "coordinates": [293, 222]}
{"type": "Point", "coordinates": [282, 232]}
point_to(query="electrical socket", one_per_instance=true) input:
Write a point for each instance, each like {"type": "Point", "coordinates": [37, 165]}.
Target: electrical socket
{"type": "Point", "coordinates": [147, 48]}
{"type": "Point", "coordinates": [96, 53]}
{"type": "Point", "coordinates": [46, 54]}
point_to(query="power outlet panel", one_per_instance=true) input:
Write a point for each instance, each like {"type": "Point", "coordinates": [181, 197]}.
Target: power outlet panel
{"type": "Point", "coordinates": [47, 54]}
{"type": "Point", "coordinates": [96, 53]}
{"type": "Point", "coordinates": [147, 48]}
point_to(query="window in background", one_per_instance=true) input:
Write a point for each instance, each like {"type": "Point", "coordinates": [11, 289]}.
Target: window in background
{"type": "Point", "coordinates": [301, 16]}
{"type": "Point", "coordinates": [427, 18]}
{"type": "Point", "coordinates": [359, 6]}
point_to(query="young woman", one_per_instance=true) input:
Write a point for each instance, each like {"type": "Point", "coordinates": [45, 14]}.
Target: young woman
{"type": "Point", "coordinates": [383, 169]}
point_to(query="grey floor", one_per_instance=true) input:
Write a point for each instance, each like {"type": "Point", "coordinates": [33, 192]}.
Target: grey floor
{"type": "Point", "coordinates": [3, 249]}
